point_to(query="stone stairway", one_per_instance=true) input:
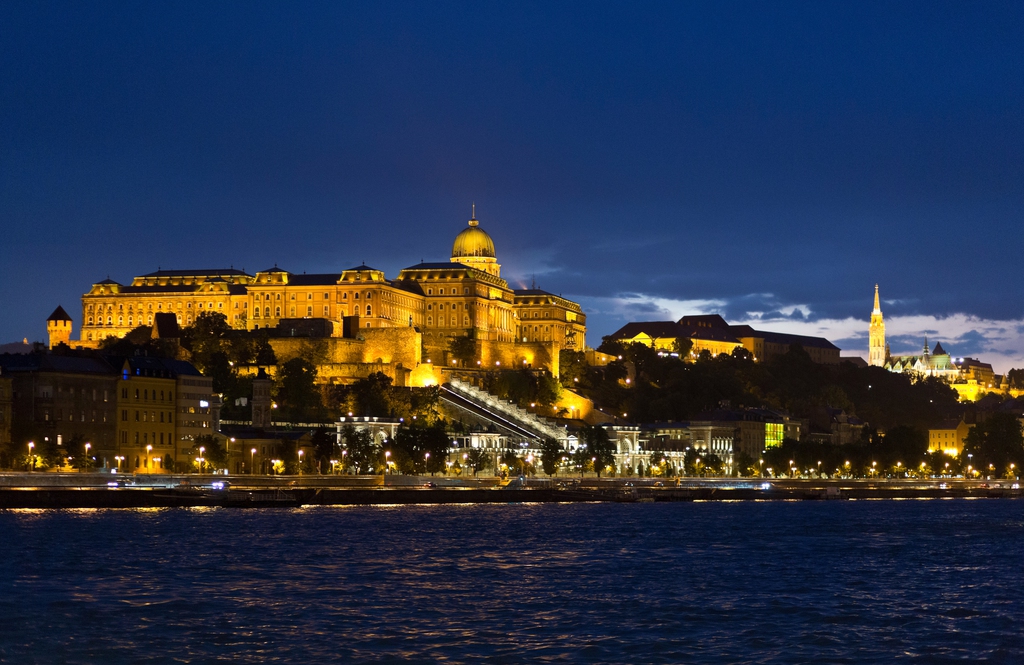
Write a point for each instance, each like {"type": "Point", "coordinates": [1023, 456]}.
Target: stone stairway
{"type": "Point", "coordinates": [531, 422]}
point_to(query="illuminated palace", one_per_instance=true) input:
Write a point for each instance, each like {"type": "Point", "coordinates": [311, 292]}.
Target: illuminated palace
{"type": "Point", "coordinates": [373, 323]}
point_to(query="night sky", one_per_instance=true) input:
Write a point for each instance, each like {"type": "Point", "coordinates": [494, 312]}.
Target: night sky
{"type": "Point", "coordinates": [768, 161]}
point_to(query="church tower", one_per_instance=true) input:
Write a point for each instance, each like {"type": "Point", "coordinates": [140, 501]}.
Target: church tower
{"type": "Point", "coordinates": [876, 336]}
{"type": "Point", "coordinates": [58, 325]}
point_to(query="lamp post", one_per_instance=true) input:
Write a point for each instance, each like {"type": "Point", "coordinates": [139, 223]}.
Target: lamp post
{"type": "Point", "coordinates": [149, 449]}
{"type": "Point", "coordinates": [300, 460]}
{"type": "Point", "coordinates": [202, 459]}
{"type": "Point", "coordinates": [252, 461]}
{"type": "Point", "coordinates": [31, 457]}
{"type": "Point", "coordinates": [344, 453]}
{"type": "Point", "coordinates": [119, 459]}
{"type": "Point", "coordinates": [87, 447]}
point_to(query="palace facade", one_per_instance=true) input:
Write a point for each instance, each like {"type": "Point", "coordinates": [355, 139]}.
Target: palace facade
{"type": "Point", "coordinates": [464, 297]}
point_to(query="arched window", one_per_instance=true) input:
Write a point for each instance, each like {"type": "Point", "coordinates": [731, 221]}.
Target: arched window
{"type": "Point", "coordinates": [277, 312]}
{"type": "Point", "coordinates": [430, 320]}
{"type": "Point", "coordinates": [266, 312]}
{"type": "Point", "coordinates": [368, 310]}
{"type": "Point", "coordinates": [130, 321]}
{"type": "Point", "coordinates": [120, 320]}
{"type": "Point", "coordinates": [309, 310]}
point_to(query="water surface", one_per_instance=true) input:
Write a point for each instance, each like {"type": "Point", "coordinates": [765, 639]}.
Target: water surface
{"type": "Point", "coordinates": [838, 582]}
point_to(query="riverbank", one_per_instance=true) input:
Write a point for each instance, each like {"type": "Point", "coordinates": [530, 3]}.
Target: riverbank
{"type": "Point", "coordinates": [94, 490]}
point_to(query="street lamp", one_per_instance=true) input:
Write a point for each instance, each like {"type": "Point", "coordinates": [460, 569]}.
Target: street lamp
{"type": "Point", "coordinates": [87, 447]}
{"type": "Point", "coordinates": [119, 459]}
{"type": "Point", "coordinates": [149, 449]}
{"type": "Point", "coordinates": [252, 461]}
{"type": "Point", "coordinates": [32, 458]}
{"type": "Point", "coordinates": [202, 457]}
{"type": "Point", "coordinates": [300, 460]}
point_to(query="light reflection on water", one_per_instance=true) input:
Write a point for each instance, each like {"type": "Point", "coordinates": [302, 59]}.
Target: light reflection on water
{"type": "Point", "coordinates": [841, 582]}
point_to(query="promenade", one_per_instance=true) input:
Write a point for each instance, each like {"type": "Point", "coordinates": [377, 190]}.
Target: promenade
{"type": "Point", "coordinates": [103, 490]}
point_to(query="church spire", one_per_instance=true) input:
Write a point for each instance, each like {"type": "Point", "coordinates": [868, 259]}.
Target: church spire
{"type": "Point", "coordinates": [876, 336]}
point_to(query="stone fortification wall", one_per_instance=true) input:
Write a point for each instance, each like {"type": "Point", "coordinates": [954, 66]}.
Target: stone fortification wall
{"type": "Point", "coordinates": [498, 355]}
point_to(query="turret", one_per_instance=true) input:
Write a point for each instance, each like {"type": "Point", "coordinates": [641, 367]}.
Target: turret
{"type": "Point", "coordinates": [58, 327]}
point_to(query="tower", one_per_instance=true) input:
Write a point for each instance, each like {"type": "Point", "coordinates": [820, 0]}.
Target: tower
{"type": "Point", "coordinates": [876, 335]}
{"type": "Point", "coordinates": [58, 326]}
{"type": "Point", "coordinates": [261, 402]}
{"type": "Point", "coordinates": [474, 248]}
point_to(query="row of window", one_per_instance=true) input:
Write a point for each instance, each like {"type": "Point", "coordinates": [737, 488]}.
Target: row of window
{"type": "Point", "coordinates": [145, 394]}
{"type": "Point", "coordinates": [149, 438]}
{"type": "Point", "coordinates": [159, 306]}
{"type": "Point", "coordinates": [309, 311]}
{"type": "Point", "coordinates": [309, 296]}
{"type": "Point", "coordinates": [145, 416]}
{"type": "Point", "coordinates": [73, 415]}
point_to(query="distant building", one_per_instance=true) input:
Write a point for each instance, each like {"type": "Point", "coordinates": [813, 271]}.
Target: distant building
{"type": "Point", "coordinates": [138, 414]}
{"type": "Point", "coordinates": [948, 437]}
{"type": "Point", "coordinates": [937, 363]}
{"type": "Point", "coordinates": [710, 332]}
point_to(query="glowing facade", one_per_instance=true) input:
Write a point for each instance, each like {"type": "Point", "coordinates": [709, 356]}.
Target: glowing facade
{"type": "Point", "coordinates": [464, 297]}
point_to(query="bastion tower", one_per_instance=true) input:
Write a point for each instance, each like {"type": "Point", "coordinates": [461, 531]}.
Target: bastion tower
{"type": "Point", "coordinates": [58, 327]}
{"type": "Point", "coordinates": [876, 335]}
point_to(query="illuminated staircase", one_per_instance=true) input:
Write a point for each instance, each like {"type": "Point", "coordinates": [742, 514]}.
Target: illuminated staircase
{"type": "Point", "coordinates": [501, 413]}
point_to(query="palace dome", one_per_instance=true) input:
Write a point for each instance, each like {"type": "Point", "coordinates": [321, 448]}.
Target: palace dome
{"type": "Point", "coordinates": [473, 242]}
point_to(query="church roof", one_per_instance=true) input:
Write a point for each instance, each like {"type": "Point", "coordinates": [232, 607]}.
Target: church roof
{"type": "Point", "coordinates": [59, 315]}
{"type": "Point", "coordinates": [938, 350]}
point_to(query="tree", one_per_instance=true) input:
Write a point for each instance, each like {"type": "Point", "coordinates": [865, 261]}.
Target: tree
{"type": "Point", "coordinates": [477, 459]}
{"type": "Point", "coordinates": [412, 444]}
{"type": "Point", "coordinates": [599, 446]}
{"type": "Point", "coordinates": [551, 454]}
{"type": "Point", "coordinates": [323, 443]}
{"type": "Point", "coordinates": [362, 453]}
{"type": "Point", "coordinates": [75, 449]}
{"type": "Point", "coordinates": [572, 368]}
{"type": "Point", "coordinates": [995, 444]}
{"type": "Point", "coordinates": [297, 394]}
{"type": "Point", "coordinates": [744, 464]}
{"type": "Point", "coordinates": [463, 349]}
{"type": "Point", "coordinates": [372, 395]}
{"type": "Point", "coordinates": [264, 352]}
{"type": "Point", "coordinates": [214, 453]}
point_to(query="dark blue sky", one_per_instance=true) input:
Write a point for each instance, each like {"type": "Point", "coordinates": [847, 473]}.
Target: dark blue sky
{"type": "Point", "coordinates": [769, 161]}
